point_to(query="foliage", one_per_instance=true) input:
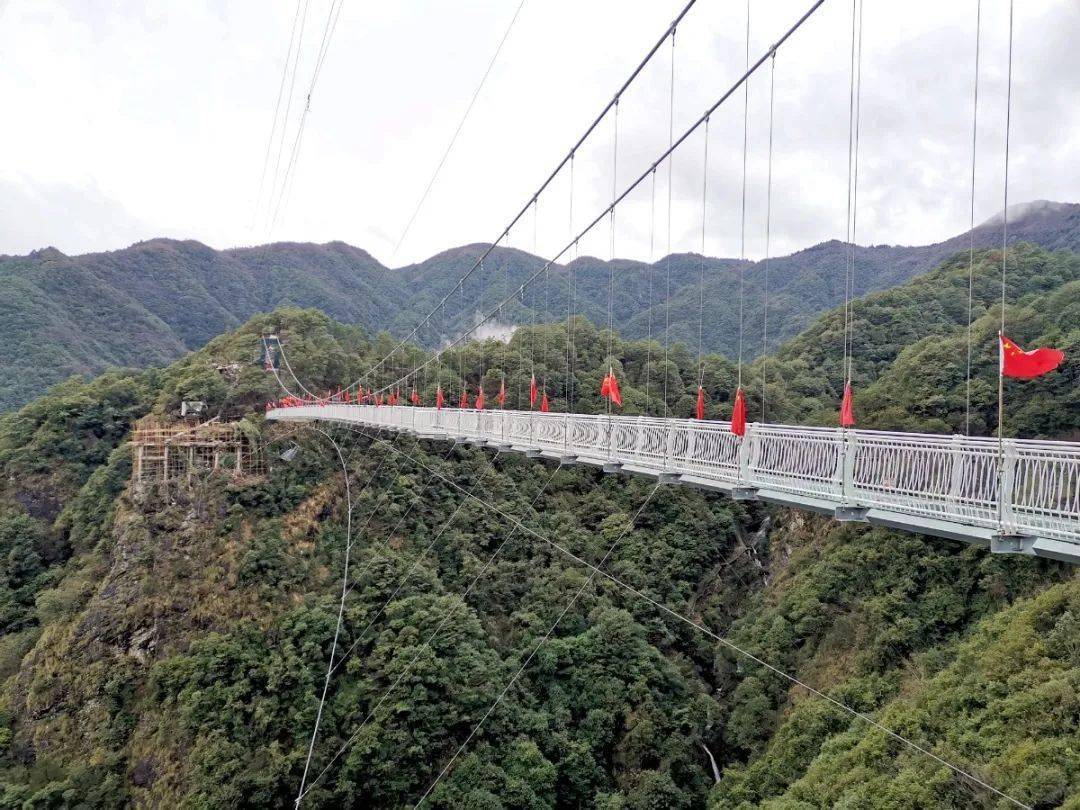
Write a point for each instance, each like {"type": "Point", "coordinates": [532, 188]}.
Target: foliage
{"type": "Point", "coordinates": [150, 303]}
{"type": "Point", "coordinates": [173, 653]}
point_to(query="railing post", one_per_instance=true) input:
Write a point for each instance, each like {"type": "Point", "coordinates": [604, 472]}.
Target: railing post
{"type": "Point", "coordinates": [959, 461]}
{"type": "Point", "coordinates": [745, 443]}
{"type": "Point", "coordinates": [691, 440]}
{"type": "Point", "coordinates": [1008, 486]}
{"type": "Point", "coordinates": [849, 510]}
{"type": "Point", "coordinates": [848, 467]}
{"type": "Point", "coordinates": [669, 443]}
{"type": "Point", "coordinates": [841, 459]}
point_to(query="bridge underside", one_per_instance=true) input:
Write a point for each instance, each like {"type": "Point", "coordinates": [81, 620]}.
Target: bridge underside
{"type": "Point", "coordinates": [760, 467]}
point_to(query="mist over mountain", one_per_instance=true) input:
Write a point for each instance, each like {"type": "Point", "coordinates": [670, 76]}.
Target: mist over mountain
{"type": "Point", "coordinates": [156, 300]}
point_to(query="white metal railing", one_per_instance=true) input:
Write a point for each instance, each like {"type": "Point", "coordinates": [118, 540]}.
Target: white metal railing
{"type": "Point", "coordinates": [947, 478]}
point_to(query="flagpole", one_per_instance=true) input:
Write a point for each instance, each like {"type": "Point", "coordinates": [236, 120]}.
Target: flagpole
{"type": "Point", "coordinates": [1004, 248]}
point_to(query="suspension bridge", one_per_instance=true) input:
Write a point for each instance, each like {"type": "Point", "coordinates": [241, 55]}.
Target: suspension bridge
{"type": "Point", "coordinates": [1016, 496]}
{"type": "Point", "coordinates": [945, 486]}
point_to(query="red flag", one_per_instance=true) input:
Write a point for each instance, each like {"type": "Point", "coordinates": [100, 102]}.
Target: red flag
{"type": "Point", "coordinates": [613, 389]}
{"type": "Point", "coordinates": [345, 394]}
{"type": "Point", "coordinates": [605, 386]}
{"type": "Point", "coordinates": [847, 410]}
{"type": "Point", "coordinates": [392, 399]}
{"type": "Point", "coordinates": [501, 398]}
{"type": "Point", "coordinates": [532, 391]}
{"type": "Point", "coordinates": [464, 401]}
{"type": "Point", "coordinates": [415, 398]}
{"type": "Point", "coordinates": [378, 399]}
{"type": "Point", "coordinates": [1015, 362]}
{"type": "Point", "coordinates": [544, 405]}
{"type": "Point", "coordinates": [700, 410]}
{"type": "Point", "coordinates": [440, 400]}
{"type": "Point", "coordinates": [738, 414]}
{"type": "Point", "coordinates": [480, 399]}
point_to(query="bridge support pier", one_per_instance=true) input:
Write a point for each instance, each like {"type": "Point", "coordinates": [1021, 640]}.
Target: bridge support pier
{"type": "Point", "coordinates": [851, 513]}
{"type": "Point", "coordinates": [1012, 544]}
{"type": "Point", "coordinates": [744, 493]}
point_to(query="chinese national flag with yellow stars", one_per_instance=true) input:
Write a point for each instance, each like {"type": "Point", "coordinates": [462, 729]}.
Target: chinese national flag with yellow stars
{"type": "Point", "coordinates": [1015, 362]}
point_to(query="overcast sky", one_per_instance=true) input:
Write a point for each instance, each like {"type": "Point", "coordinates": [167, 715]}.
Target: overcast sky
{"type": "Point", "coordinates": [127, 120]}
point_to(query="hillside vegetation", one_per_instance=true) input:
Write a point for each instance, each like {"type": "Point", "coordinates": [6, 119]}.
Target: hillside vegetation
{"type": "Point", "coordinates": [169, 650]}
{"type": "Point", "coordinates": [150, 303]}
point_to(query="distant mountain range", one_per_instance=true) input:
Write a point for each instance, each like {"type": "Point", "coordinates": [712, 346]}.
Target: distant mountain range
{"type": "Point", "coordinates": [150, 303]}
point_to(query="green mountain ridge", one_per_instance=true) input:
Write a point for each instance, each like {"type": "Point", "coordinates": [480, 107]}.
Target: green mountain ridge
{"type": "Point", "coordinates": [150, 303]}
{"type": "Point", "coordinates": [169, 650]}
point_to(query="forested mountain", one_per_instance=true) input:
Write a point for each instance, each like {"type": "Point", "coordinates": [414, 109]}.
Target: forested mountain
{"type": "Point", "coordinates": [169, 650]}
{"type": "Point", "coordinates": [152, 302]}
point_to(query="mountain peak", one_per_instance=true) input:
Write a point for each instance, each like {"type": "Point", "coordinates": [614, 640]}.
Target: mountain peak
{"type": "Point", "coordinates": [47, 254]}
{"type": "Point", "coordinates": [1031, 210]}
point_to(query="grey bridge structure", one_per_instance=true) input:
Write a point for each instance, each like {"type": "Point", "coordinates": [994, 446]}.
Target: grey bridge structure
{"type": "Point", "coordinates": [1020, 497]}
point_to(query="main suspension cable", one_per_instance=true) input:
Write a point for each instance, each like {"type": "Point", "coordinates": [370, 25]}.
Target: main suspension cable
{"type": "Point", "coordinates": [566, 162]}
{"type": "Point", "coordinates": [288, 108]}
{"type": "Point", "coordinates": [340, 614]}
{"type": "Point", "coordinates": [516, 525]}
{"type": "Point", "coordinates": [597, 570]}
{"type": "Point", "coordinates": [640, 179]}
{"type": "Point", "coordinates": [566, 609]}
{"type": "Point", "coordinates": [415, 565]}
{"type": "Point", "coordinates": [324, 47]}
{"type": "Point", "coordinates": [437, 355]}
{"type": "Point", "coordinates": [277, 108]}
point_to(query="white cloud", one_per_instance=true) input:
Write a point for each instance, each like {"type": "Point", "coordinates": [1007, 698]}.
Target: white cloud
{"type": "Point", "coordinates": [150, 119]}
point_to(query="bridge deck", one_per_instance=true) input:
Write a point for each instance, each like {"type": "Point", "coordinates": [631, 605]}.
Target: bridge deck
{"type": "Point", "coordinates": [947, 486]}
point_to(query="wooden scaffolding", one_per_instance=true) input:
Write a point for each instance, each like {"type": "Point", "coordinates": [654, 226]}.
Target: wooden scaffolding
{"type": "Point", "coordinates": [173, 452]}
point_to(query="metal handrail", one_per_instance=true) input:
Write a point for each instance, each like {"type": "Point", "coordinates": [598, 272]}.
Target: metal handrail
{"type": "Point", "coordinates": [941, 477]}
